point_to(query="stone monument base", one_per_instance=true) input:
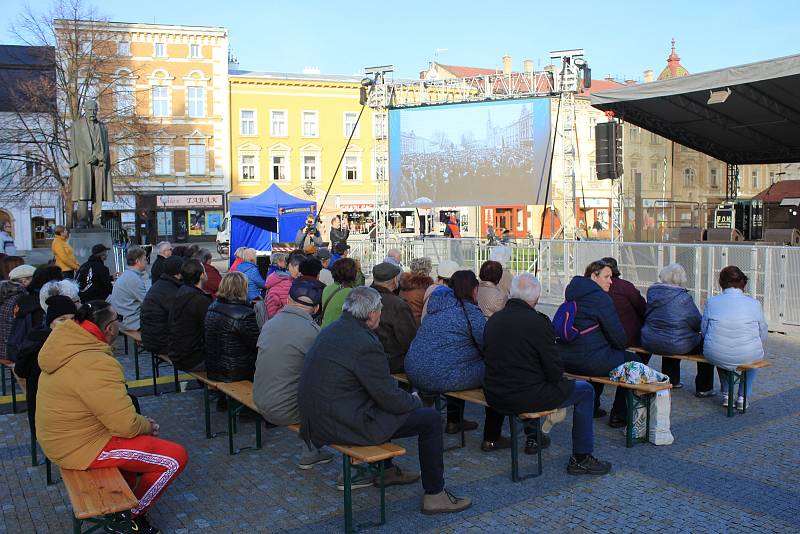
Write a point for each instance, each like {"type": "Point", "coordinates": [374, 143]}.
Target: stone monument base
{"type": "Point", "coordinates": [83, 239]}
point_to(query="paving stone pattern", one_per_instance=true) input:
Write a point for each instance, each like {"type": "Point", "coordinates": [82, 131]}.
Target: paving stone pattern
{"type": "Point", "coordinates": [720, 475]}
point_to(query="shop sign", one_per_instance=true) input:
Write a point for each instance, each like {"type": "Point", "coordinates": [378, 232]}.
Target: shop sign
{"type": "Point", "coordinates": [596, 202]}
{"type": "Point", "coordinates": [305, 209]}
{"type": "Point", "coordinates": [128, 216]}
{"type": "Point", "coordinates": [189, 201]}
{"type": "Point", "coordinates": [44, 213]}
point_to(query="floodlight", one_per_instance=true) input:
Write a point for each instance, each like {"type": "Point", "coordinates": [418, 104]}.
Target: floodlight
{"type": "Point", "coordinates": [718, 97]}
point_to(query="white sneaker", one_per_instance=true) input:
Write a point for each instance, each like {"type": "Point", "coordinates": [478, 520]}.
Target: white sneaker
{"type": "Point", "coordinates": [724, 399]}
{"type": "Point", "coordinates": [740, 404]}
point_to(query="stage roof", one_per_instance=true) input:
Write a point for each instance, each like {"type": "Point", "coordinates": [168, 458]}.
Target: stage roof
{"type": "Point", "coordinates": [758, 123]}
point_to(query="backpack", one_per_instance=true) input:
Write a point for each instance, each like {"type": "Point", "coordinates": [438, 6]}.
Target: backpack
{"type": "Point", "coordinates": [564, 323]}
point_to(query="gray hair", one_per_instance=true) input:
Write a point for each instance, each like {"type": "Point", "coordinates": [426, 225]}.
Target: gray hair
{"type": "Point", "coordinates": [204, 255]}
{"type": "Point", "coordinates": [68, 288]}
{"type": "Point", "coordinates": [362, 301]}
{"type": "Point", "coordinates": [275, 257]}
{"type": "Point", "coordinates": [161, 246]}
{"type": "Point", "coordinates": [392, 252]}
{"type": "Point", "coordinates": [421, 265]}
{"type": "Point", "coordinates": [392, 260]}
{"type": "Point", "coordinates": [673, 274]}
{"type": "Point", "coordinates": [527, 287]}
{"type": "Point", "coordinates": [501, 255]}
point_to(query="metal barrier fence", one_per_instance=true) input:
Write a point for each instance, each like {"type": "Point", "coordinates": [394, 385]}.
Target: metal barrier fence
{"type": "Point", "coordinates": [773, 272]}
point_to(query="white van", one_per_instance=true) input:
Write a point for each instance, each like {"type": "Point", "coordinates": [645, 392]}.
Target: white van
{"type": "Point", "coordinates": [224, 235]}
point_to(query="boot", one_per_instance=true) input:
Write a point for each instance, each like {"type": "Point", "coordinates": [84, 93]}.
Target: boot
{"type": "Point", "coordinates": [444, 502]}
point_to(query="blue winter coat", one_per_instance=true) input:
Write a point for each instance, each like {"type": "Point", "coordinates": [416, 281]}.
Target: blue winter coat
{"type": "Point", "coordinates": [255, 284]}
{"type": "Point", "coordinates": [594, 353]}
{"type": "Point", "coordinates": [671, 322]}
{"type": "Point", "coordinates": [444, 356]}
{"type": "Point", "coordinates": [734, 329]}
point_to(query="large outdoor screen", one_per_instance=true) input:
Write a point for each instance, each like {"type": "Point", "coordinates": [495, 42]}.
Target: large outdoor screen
{"type": "Point", "coordinates": [481, 154]}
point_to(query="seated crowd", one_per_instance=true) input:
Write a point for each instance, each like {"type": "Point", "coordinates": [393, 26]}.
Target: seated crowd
{"type": "Point", "coordinates": [320, 348]}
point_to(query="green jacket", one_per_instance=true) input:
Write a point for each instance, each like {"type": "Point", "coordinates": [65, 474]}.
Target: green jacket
{"type": "Point", "coordinates": [332, 301]}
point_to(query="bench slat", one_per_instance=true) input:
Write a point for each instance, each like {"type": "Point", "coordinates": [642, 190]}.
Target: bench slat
{"type": "Point", "coordinates": [647, 388]}
{"type": "Point", "coordinates": [202, 376]}
{"type": "Point", "coordinates": [241, 392]}
{"type": "Point", "coordinates": [97, 492]}
{"type": "Point", "coordinates": [135, 335]}
{"type": "Point", "coordinates": [370, 453]}
{"type": "Point", "coordinates": [699, 358]}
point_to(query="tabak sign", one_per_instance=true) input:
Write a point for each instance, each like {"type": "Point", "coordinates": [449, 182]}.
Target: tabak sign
{"type": "Point", "coordinates": [189, 201]}
{"type": "Point", "coordinates": [287, 211]}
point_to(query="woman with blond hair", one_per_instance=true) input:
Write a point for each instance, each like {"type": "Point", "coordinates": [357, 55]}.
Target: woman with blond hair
{"type": "Point", "coordinates": [239, 255]}
{"type": "Point", "coordinates": [231, 332]}
{"type": "Point", "coordinates": [63, 253]}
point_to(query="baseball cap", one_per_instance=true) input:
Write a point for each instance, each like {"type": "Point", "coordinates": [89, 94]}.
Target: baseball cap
{"type": "Point", "coordinates": [21, 271]}
{"type": "Point", "coordinates": [340, 247]}
{"type": "Point", "coordinates": [323, 253]}
{"type": "Point", "coordinates": [385, 271]}
{"type": "Point", "coordinates": [446, 268]}
{"type": "Point", "coordinates": [306, 292]}
{"type": "Point", "coordinates": [98, 248]}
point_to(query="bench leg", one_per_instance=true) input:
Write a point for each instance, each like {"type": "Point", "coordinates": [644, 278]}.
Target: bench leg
{"type": "Point", "coordinates": [348, 494]}
{"type": "Point", "coordinates": [3, 374]}
{"type": "Point", "coordinates": [136, 359]}
{"type": "Point", "coordinates": [231, 415]}
{"type": "Point", "coordinates": [177, 382]}
{"type": "Point", "coordinates": [258, 432]}
{"type": "Point", "coordinates": [154, 362]}
{"type": "Point", "coordinates": [76, 525]}
{"type": "Point", "coordinates": [630, 407]}
{"type": "Point", "coordinates": [731, 393]}
{"type": "Point", "coordinates": [744, 390]}
{"type": "Point", "coordinates": [13, 392]}
{"type": "Point", "coordinates": [48, 467]}
{"type": "Point", "coordinates": [125, 340]}
{"type": "Point", "coordinates": [207, 410]}
{"type": "Point", "coordinates": [512, 423]}
{"type": "Point", "coordinates": [34, 452]}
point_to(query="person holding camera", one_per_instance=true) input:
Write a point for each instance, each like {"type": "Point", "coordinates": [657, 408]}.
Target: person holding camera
{"type": "Point", "coordinates": [309, 234]}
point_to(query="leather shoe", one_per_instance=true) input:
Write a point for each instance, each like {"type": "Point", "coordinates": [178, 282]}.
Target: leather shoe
{"type": "Point", "coordinates": [394, 476]}
{"type": "Point", "coordinates": [616, 422]}
{"type": "Point", "coordinates": [502, 443]}
{"type": "Point", "coordinates": [531, 447]}
{"type": "Point", "coordinates": [599, 412]}
{"type": "Point", "coordinates": [456, 428]}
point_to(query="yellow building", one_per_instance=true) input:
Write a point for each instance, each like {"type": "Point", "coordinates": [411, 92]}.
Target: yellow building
{"type": "Point", "coordinates": [291, 130]}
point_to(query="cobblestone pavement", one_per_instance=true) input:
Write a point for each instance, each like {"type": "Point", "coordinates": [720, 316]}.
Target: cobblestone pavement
{"type": "Point", "coordinates": [720, 475]}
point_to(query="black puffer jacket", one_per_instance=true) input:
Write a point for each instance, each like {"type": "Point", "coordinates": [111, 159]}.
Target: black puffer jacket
{"type": "Point", "coordinates": [154, 319]}
{"type": "Point", "coordinates": [231, 336]}
{"type": "Point", "coordinates": [186, 340]}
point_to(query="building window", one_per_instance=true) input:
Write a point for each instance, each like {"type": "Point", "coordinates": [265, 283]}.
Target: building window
{"type": "Point", "coordinates": [278, 126]}
{"type": "Point", "coordinates": [754, 179]}
{"type": "Point", "coordinates": [310, 168]}
{"type": "Point", "coordinates": [126, 165]}
{"type": "Point", "coordinates": [33, 168]}
{"type": "Point", "coordinates": [771, 178]}
{"type": "Point", "coordinates": [654, 139]}
{"type": "Point", "coordinates": [592, 169]}
{"type": "Point", "coordinates": [688, 177]}
{"type": "Point", "coordinates": [634, 132]}
{"type": "Point", "coordinates": [194, 51]}
{"type": "Point", "coordinates": [713, 178]}
{"type": "Point", "coordinates": [592, 124]}
{"type": "Point", "coordinates": [379, 126]}
{"type": "Point", "coordinates": [160, 97]}
{"type": "Point", "coordinates": [197, 159]}
{"type": "Point", "coordinates": [86, 48]}
{"type": "Point", "coordinates": [162, 160]}
{"type": "Point", "coordinates": [159, 50]}
{"type": "Point", "coordinates": [279, 168]}
{"type": "Point", "coordinates": [247, 121]}
{"type": "Point", "coordinates": [248, 166]}
{"type": "Point", "coordinates": [126, 102]}
{"type": "Point", "coordinates": [352, 169]}
{"type": "Point", "coordinates": [350, 119]}
{"type": "Point", "coordinates": [196, 102]}
{"type": "Point", "coordinates": [310, 124]}
{"type": "Point", "coordinates": [124, 48]}
{"type": "Point", "coordinates": [654, 174]}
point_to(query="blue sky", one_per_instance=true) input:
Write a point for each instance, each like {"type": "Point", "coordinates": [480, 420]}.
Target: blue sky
{"type": "Point", "coordinates": [621, 38]}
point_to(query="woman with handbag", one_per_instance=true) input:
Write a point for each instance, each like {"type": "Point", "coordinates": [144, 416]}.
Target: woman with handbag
{"type": "Point", "coordinates": [446, 354]}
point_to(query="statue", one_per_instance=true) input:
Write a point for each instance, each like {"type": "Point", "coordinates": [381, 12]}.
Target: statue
{"type": "Point", "coordinates": [90, 166]}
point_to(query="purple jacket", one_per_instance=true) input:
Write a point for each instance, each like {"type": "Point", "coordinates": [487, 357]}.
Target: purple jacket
{"type": "Point", "coordinates": [630, 307]}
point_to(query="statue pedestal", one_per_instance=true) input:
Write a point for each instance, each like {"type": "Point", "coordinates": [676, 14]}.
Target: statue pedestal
{"type": "Point", "coordinates": [83, 239]}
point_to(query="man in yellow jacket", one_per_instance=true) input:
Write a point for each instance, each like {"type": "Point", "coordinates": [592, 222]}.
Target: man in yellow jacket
{"type": "Point", "coordinates": [63, 253]}
{"type": "Point", "coordinates": [85, 418]}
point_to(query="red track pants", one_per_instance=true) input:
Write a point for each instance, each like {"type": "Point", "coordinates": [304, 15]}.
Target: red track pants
{"type": "Point", "coordinates": [158, 461]}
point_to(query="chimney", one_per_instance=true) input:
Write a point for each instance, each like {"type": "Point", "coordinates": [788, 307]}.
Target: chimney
{"type": "Point", "coordinates": [506, 64]}
{"type": "Point", "coordinates": [630, 82]}
{"type": "Point", "coordinates": [527, 66]}
{"type": "Point", "coordinates": [648, 75]}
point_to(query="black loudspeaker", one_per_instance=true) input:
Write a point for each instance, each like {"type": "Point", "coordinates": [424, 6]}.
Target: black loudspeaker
{"type": "Point", "coordinates": [608, 150]}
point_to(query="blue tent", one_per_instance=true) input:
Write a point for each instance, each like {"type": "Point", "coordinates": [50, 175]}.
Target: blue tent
{"type": "Point", "coordinates": [274, 215]}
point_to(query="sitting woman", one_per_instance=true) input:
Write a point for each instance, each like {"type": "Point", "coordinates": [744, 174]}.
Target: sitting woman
{"type": "Point", "coordinates": [601, 345]}
{"type": "Point", "coordinates": [231, 332]}
{"type": "Point", "coordinates": [490, 297]}
{"type": "Point", "coordinates": [672, 326]}
{"type": "Point", "coordinates": [734, 330]}
{"type": "Point", "coordinates": [345, 274]}
{"type": "Point", "coordinates": [414, 284]}
{"type": "Point", "coordinates": [446, 354]}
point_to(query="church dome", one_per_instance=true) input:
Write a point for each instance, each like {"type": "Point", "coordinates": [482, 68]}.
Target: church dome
{"type": "Point", "coordinates": [674, 69]}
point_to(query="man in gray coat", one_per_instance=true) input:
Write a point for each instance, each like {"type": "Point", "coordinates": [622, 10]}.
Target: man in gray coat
{"type": "Point", "coordinates": [130, 289]}
{"type": "Point", "coordinates": [282, 347]}
{"type": "Point", "coordinates": [347, 396]}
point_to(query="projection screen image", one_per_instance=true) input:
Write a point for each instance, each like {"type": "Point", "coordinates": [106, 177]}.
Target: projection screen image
{"type": "Point", "coordinates": [491, 153]}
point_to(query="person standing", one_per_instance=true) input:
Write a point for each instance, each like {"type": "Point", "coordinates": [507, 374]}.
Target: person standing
{"type": "Point", "coordinates": [187, 319]}
{"type": "Point", "coordinates": [63, 253]}
{"type": "Point", "coordinates": [93, 277]}
{"type": "Point", "coordinates": [7, 245]}
{"type": "Point", "coordinates": [130, 289]}
{"type": "Point", "coordinates": [339, 231]}
{"type": "Point", "coordinates": [164, 250]}
{"type": "Point", "coordinates": [86, 419]}
{"type": "Point", "coordinates": [451, 228]}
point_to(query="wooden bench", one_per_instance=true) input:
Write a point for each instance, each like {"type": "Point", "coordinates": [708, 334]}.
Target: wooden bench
{"type": "Point", "coordinates": [240, 396]}
{"type": "Point", "coordinates": [136, 337]}
{"type": "Point", "coordinates": [476, 396]}
{"type": "Point", "coordinates": [637, 396]}
{"type": "Point", "coordinates": [157, 360]}
{"type": "Point", "coordinates": [202, 377]}
{"type": "Point", "coordinates": [733, 378]}
{"type": "Point", "coordinates": [368, 459]}
{"type": "Point", "coordinates": [95, 494]}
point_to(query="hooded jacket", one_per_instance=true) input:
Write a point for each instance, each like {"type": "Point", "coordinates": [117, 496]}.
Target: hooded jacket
{"type": "Point", "coordinates": [155, 314]}
{"type": "Point", "coordinates": [82, 400]}
{"type": "Point", "coordinates": [231, 333]}
{"type": "Point", "coordinates": [599, 351]}
{"type": "Point", "coordinates": [278, 285]}
{"type": "Point", "coordinates": [672, 321]}
{"type": "Point", "coordinates": [412, 290]}
{"type": "Point", "coordinates": [444, 355]}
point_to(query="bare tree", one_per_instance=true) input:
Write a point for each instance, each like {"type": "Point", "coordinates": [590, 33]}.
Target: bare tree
{"type": "Point", "coordinates": [85, 64]}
